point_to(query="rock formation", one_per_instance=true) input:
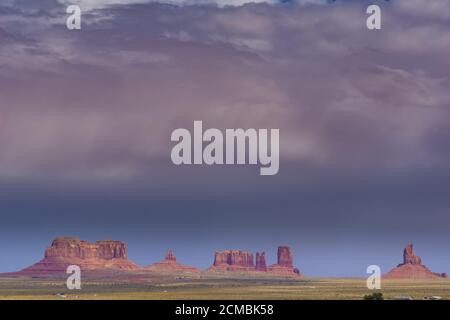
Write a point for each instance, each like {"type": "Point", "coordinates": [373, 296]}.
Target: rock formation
{"type": "Point", "coordinates": [237, 260]}
{"type": "Point", "coordinates": [410, 257]}
{"type": "Point", "coordinates": [285, 263]}
{"type": "Point", "coordinates": [261, 262]}
{"type": "Point", "coordinates": [65, 251]}
{"type": "Point", "coordinates": [170, 256]}
{"type": "Point", "coordinates": [284, 256]}
{"type": "Point", "coordinates": [104, 257]}
{"type": "Point", "coordinates": [233, 260]}
{"type": "Point", "coordinates": [170, 265]}
{"type": "Point", "coordinates": [412, 268]}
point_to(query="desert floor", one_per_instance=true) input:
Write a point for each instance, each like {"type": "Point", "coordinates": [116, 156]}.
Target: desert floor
{"type": "Point", "coordinates": [215, 286]}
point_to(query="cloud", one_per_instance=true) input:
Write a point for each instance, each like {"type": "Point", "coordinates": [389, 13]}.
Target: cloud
{"type": "Point", "coordinates": [438, 9]}
{"type": "Point", "coordinates": [103, 101]}
{"type": "Point", "coordinates": [97, 4]}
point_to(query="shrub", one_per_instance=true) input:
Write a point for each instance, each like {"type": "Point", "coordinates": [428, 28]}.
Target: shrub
{"type": "Point", "coordinates": [374, 296]}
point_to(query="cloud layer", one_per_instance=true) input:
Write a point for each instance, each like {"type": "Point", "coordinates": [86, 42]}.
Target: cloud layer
{"type": "Point", "coordinates": [105, 98]}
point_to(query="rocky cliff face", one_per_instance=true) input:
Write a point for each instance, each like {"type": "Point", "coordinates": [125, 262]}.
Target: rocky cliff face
{"type": "Point", "coordinates": [412, 268]}
{"type": "Point", "coordinates": [410, 257]}
{"type": "Point", "coordinates": [170, 265]}
{"type": "Point", "coordinates": [233, 260]}
{"type": "Point", "coordinates": [261, 262]}
{"type": "Point", "coordinates": [65, 251]}
{"type": "Point", "coordinates": [76, 248]}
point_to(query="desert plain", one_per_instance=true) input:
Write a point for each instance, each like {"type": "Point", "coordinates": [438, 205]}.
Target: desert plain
{"type": "Point", "coordinates": [147, 285]}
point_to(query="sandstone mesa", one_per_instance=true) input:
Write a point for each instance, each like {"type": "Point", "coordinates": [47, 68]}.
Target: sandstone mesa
{"type": "Point", "coordinates": [65, 251]}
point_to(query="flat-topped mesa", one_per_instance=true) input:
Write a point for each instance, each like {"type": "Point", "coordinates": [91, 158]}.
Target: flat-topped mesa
{"type": "Point", "coordinates": [261, 262]}
{"type": "Point", "coordinates": [285, 263]}
{"type": "Point", "coordinates": [76, 248]}
{"type": "Point", "coordinates": [170, 265]}
{"type": "Point", "coordinates": [65, 251]}
{"type": "Point", "coordinates": [233, 260]}
{"type": "Point", "coordinates": [412, 268]}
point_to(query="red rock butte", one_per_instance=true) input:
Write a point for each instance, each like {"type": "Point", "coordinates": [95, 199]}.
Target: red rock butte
{"type": "Point", "coordinates": [261, 262]}
{"type": "Point", "coordinates": [170, 265]}
{"type": "Point", "coordinates": [238, 260]}
{"type": "Point", "coordinates": [65, 251]}
{"type": "Point", "coordinates": [285, 263]}
{"type": "Point", "coordinates": [233, 260]}
{"type": "Point", "coordinates": [412, 268]}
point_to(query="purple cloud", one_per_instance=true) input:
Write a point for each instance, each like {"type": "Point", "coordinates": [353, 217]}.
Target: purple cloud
{"type": "Point", "coordinates": [104, 100]}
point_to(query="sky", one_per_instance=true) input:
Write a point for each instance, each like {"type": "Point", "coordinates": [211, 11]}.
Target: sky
{"type": "Point", "coordinates": [364, 119]}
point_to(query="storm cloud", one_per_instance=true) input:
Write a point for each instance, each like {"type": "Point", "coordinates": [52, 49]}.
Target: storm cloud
{"type": "Point", "coordinates": [364, 118]}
